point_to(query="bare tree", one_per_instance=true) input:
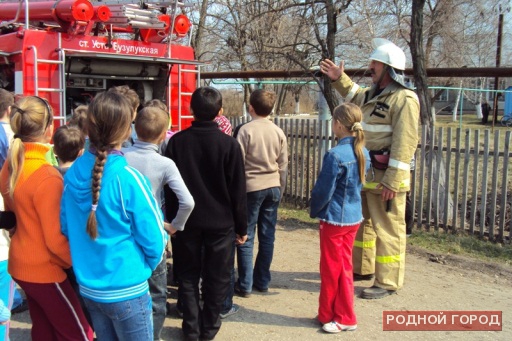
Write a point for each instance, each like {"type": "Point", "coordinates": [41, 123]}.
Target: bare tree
{"type": "Point", "coordinates": [418, 61]}
{"type": "Point", "coordinates": [269, 35]}
{"type": "Point", "coordinates": [198, 41]}
{"type": "Point", "coordinates": [292, 34]}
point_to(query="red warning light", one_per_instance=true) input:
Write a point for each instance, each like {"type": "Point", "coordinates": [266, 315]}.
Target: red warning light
{"type": "Point", "coordinates": [181, 25]}
{"type": "Point", "coordinates": [82, 10]}
{"type": "Point", "coordinates": [103, 13]}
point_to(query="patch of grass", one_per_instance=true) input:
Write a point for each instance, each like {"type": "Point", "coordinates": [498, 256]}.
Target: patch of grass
{"type": "Point", "coordinates": [461, 244]}
{"type": "Point", "coordinates": [289, 212]}
{"type": "Point", "coordinates": [291, 217]}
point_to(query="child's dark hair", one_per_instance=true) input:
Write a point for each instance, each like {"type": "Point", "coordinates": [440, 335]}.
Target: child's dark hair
{"type": "Point", "coordinates": [130, 94]}
{"type": "Point", "coordinates": [262, 101]}
{"type": "Point", "coordinates": [206, 103]}
{"type": "Point", "coordinates": [6, 100]}
{"type": "Point", "coordinates": [30, 117]}
{"type": "Point", "coordinates": [68, 141]}
{"type": "Point", "coordinates": [150, 123]}
{"type": "Point", "coordinates": [350, 116]}
{"type": "Point", "coordinates": [109, 118]}
{"type": "Point", "coordinates": [79, 118]}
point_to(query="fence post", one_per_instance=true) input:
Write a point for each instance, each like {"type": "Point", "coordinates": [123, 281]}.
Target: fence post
{"type": "Point", "coordinates": [446, 203]}
{"type": "Point", "coordinates": [423, 166]}
{"type": "Point", "coordinates": [494, 186]}
{"type": "Point", "coordinates": [465, 184]}
{"type": "Point", "coordinates": [483, 193]}
{"type": "Point", "coordinates": [430, 175]}
{"type": "Point", "coordinates": [504, 192]}
{"type": "Point", "coordinates": [474, 194]}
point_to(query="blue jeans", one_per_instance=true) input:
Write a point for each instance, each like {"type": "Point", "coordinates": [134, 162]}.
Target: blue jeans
{"type": "Point", "coordinates": [124, 321]}
{"type": "Point", "coordinates": [17, 299]}
{"type": "Point", "coordinates": [158, 290]}
{"type": "Point", "coordinates": [261, 212]}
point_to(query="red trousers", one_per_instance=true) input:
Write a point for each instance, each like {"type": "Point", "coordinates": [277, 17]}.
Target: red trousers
{"type": "Point", "coordinates": [55, 312]}
{"type": "Point", "coordinates": [336, 302]}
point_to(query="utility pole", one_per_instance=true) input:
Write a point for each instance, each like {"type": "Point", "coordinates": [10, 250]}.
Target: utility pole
{"type": "Point", "coordinates": [498, 62]}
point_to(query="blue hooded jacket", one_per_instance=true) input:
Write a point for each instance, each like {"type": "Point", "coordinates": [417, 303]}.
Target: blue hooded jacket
{"type": "Point", "coordinates": [336, 196]}
{"type": "Point", "coordinates": [116, 265]}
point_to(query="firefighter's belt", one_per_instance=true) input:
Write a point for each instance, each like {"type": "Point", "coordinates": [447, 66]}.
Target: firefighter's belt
{"type": "Point", "coordinates": [379, 159]}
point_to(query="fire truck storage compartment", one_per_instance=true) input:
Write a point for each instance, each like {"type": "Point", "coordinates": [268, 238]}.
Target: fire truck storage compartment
{"type": "Point", "coordinates": [87, 76]}
{"type": "Point", "coordinates": [171, 81]}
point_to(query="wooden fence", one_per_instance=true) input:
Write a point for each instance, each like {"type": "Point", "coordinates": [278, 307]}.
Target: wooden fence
{"type": "Point", "coordinates": [460, 183]}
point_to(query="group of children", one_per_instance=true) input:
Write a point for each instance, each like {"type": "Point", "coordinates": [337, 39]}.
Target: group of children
{"type": "Point", "coordinates": [104, 217]}
{"type": "Point", "coordinates": [103, 222]}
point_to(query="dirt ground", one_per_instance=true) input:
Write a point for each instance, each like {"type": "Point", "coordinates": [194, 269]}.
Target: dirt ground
{"type": "Point", "coordinates": [288, 311]}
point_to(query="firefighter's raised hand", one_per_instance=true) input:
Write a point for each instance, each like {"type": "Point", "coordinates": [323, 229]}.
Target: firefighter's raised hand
{"type": "Point", "coordinates": [332, 70]}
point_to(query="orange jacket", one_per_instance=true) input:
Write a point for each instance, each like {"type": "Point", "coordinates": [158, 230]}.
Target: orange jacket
{"type": "Point", "coordinates": [39, 252]}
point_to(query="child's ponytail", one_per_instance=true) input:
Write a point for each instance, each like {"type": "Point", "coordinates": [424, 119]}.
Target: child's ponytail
{"type": "Point", "coordinates": [30, 118]}
{"type": "Point", "coordinates": [108, 124]}
{"type": "Point", "coordinates": [357, 128]}
{"type": "Point", "coordinates": [15, 159]}
{"type": "Point", "coordinates": [351, 116]}
{"type": "Point", "coordinates": [97, 174]}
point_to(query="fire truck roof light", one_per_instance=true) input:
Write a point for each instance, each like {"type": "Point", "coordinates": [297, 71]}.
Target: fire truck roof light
{"type": "Point", "coordinates": [181, 25]}
{"type": "Point", "coordinates": [82, 10]}
{"type": "Point", "coordinates": [103, 13]}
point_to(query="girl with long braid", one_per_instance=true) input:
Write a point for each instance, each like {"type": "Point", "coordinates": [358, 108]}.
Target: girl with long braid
{"type": "Point", "coordinates": [114, 226]}
{"type": "Point", "coordinates": [39, 253]}
{"type": "Point", "coordinates": [336, 201]}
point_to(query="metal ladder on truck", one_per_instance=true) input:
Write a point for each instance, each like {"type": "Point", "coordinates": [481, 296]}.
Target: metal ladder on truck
{"type": "Point", "coordinates": [61, 89]}
{"type": "Point", "coordinates": [181, 67]}
{"type": "Point", "coordinates": [181, 94]}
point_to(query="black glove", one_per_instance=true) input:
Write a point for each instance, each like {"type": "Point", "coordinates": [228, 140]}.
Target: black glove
{"type": "Point", "coordinates": [7, 220]}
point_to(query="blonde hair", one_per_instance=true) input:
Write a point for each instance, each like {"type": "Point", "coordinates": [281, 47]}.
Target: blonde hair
{"type": "Point", "coordinates": [130, 94]}
{"type": "Point", "coordinates": [156, 103]}
{"type": "Point", "coordinates": [79, 118]}
{"type": "Point", "coordinates": [109, 118]}
{"type": "Point", "coordinates": [161, 105]}
{"type": "Point", "coordinates": [30, 117]}
{"type": "Point", "coordinates": [351, 116]}
{"type": "Point", "coordinates": [150, 123]}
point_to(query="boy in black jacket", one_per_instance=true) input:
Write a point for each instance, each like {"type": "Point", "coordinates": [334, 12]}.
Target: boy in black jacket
{"type": "Point", "coordinates": [211, 165]}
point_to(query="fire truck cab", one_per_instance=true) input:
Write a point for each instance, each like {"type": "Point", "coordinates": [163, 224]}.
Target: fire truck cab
{"type": "Point", "coordinates": [68, 50]}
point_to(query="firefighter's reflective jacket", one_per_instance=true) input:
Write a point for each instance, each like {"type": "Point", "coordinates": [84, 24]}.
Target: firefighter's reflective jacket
{"type": "Point", "coordinates": [390, 123]}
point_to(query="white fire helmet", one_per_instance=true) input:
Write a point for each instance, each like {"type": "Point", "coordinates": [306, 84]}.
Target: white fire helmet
{"type": "Point", "coordinates": [388, 53]}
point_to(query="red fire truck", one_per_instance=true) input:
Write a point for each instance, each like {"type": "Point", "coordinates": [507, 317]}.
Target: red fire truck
{"type": "Point", "coordinates": [68, 50]}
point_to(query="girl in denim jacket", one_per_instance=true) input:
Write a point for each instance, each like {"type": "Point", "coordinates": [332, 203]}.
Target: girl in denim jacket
{"type": "Point", "coordinates": [336, 201]}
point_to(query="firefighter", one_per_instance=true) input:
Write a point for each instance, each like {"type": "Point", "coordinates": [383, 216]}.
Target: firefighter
{"type": "Point", "coordinates": [391, 115]}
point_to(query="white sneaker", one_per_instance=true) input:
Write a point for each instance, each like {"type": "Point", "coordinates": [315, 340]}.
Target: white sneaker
{"type": "Point", "coordinates": [335, 327]}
